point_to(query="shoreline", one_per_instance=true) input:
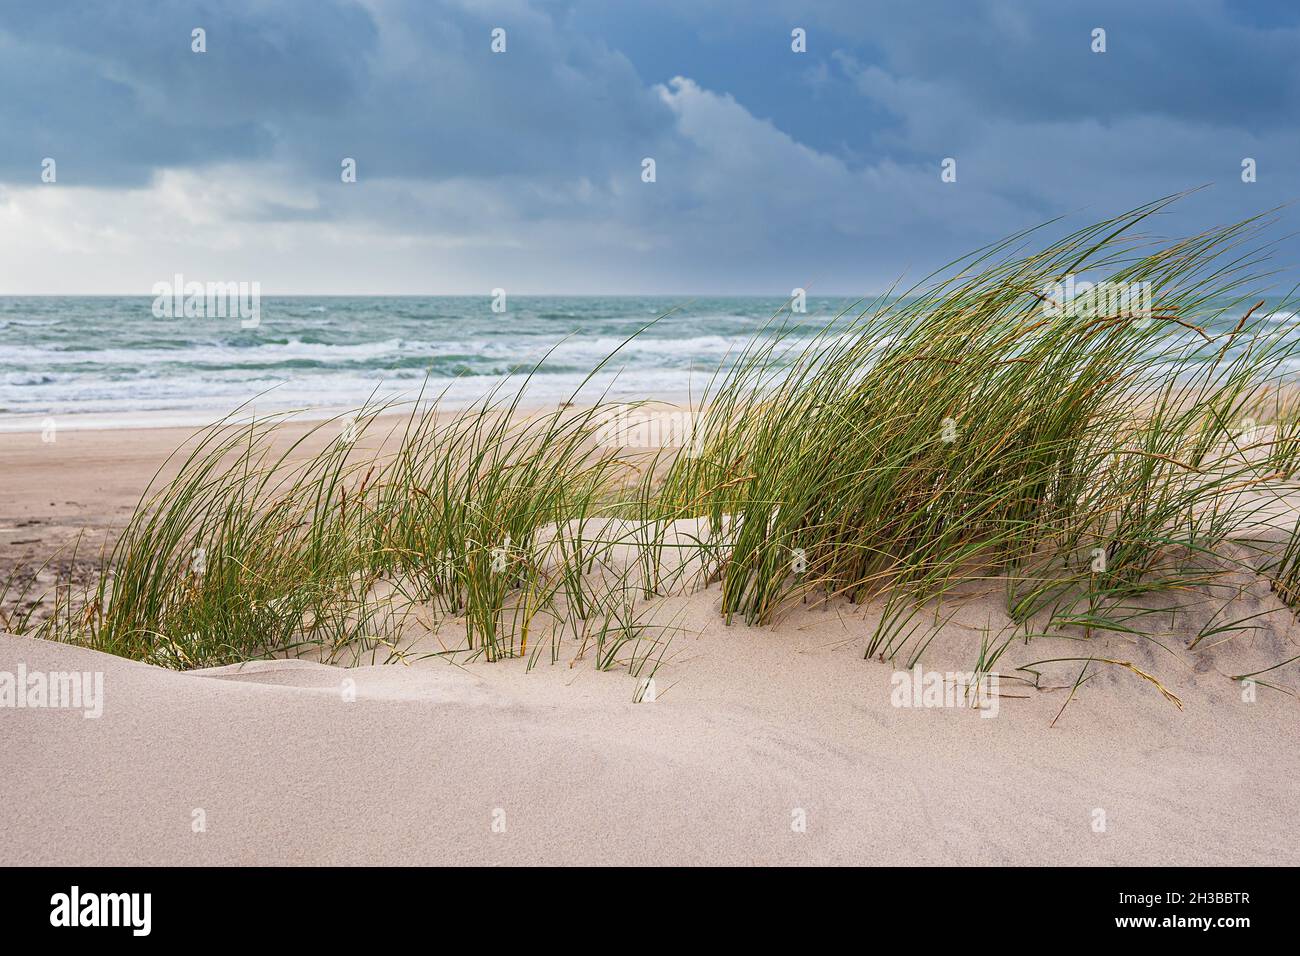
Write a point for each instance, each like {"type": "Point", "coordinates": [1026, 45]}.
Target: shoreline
{"type": "Point", "coordinates": [26, 423]}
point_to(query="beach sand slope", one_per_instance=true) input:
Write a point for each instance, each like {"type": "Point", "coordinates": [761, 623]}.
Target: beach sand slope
{"type": "Point", "coordinates": [761, 747]}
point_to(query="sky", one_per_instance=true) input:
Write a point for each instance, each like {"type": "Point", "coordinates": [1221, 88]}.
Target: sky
{"type": "Point", "coordinates": [524, 169]}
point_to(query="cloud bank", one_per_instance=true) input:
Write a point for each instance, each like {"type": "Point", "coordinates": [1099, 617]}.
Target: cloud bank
{"type": "Point", "coordinates": [523, 169]}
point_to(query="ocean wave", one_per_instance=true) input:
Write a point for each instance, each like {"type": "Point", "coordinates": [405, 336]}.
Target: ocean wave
{"type": "Point", "coordinates": [327, 391]}
{"type": "Point", "coordinates": [69, 355]}
{"type": "Point", "coordinates": [220, 355]}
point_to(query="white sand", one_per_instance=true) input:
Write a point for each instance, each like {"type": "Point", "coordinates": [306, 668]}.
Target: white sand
{"type": "Point", "coordinates": [749, 725]}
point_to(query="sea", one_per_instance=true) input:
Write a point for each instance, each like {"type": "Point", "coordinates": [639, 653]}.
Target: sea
{"type": "Point", "coordinates": [104, 362]}
{"type": "Point", "coordinates": [101, 361]}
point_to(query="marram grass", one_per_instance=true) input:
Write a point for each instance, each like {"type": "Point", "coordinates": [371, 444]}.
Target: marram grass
{"type": "Point", "coordinates": [1096, 467]}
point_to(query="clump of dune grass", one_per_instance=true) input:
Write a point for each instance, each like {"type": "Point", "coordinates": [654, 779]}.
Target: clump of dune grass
{"type": "Point", "coordinates": [960, 434]}
{"type": "Point", "coordinates": [966, 433]}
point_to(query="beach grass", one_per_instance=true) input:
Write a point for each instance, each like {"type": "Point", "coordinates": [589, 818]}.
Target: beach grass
{"type": "Point", "coordinates": [1094, 466]}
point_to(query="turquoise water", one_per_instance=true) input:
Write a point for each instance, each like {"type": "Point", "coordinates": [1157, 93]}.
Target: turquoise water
{"type": "Point", "coordinates": [112, 356]}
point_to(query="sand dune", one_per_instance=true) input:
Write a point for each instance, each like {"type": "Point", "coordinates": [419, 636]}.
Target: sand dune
{"type": "Point", "coordinates": [752, 731]}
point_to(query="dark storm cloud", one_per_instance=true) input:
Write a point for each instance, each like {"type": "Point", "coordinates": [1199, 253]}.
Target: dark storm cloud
{"type": "Point", "coordinates": [773, 167]}
{"type": "Point", "coordinates": [114, 92]}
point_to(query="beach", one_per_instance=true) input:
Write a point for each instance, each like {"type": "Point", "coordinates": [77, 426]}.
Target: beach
{"type": "Point", "coordinates": [971, 576]}
{"type": "Point", "coordinates": [438, 434]}
{"type": "Point", "coordinates": [85, 481]}
{"type": "Point", "coordinates": [773, 744]}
